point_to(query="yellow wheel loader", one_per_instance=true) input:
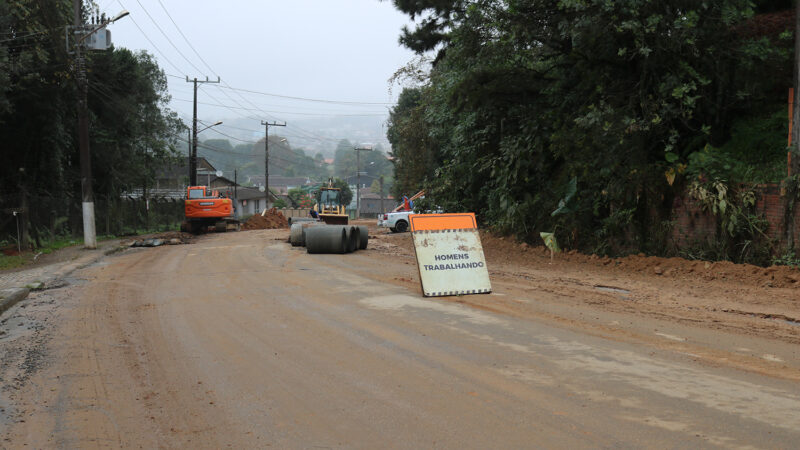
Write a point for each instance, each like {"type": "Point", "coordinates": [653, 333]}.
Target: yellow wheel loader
{"type": "Point", "coordinates": [328, 206]}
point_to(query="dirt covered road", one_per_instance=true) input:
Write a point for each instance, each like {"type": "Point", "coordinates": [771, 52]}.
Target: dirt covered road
{"type": "Point", "coordinates": [240, 340]}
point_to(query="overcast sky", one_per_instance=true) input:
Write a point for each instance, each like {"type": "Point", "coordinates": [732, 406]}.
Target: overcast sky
{"type": "Point", "coordinates": [343, 51]}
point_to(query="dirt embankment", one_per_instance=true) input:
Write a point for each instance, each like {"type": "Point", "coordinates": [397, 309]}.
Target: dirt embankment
{"type": "Point", "coordinates": [507, 250]}
{"type": "Point", "coordinates": [271, 219]}
{"type": "Point", "coordinates": [739, 298]}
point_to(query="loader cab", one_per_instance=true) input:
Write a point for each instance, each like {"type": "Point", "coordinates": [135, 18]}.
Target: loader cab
{"type": "Point", "coordinates": [329, 198]}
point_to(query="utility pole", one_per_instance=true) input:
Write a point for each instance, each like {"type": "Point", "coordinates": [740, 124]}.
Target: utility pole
{"type": "Point", "coordinates": [80, 33]}
{"type": "Point", "coordinates": [193, 157]}
{"type": "Point", "coordinates": [266, 154]}
{"type": "Point", "coordinates": [381, 181]}
{"type": "Point", "coordinates": [794, 150]}
{"type": "Point", "coordinates": [793, 158]}
{"type": "Point", "coordinates": [189, 155]}
{"type": "Point", "coordinates": [87, 196]}
{"type": "Point", "coordinates": [359, 149]}
{"type": "Point", "coordinates": [235, 194]}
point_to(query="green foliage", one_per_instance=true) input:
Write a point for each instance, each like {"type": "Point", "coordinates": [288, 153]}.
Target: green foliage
{"type": "Point", "coordinates": [11, 261]}
{"type": "Point", "coordinates": [756, 152]}
{"type": "Point", "coordinates": [248, 159]}
{"type": "Point", "coordinates": [622, 97]}
{"type": "Point", "coordinates": [344, 161]}
{"type": "Point", "coordinates": [565, 205]}
{"type": "Point", "coordinates": [413, 151]}
{"type": "Point", "coordinates": [741, 236]}
{"type": "Point", "coordinates": [132, 132]}
{"type": "Point", "coordinates": [280, 203]}
{"type": "Point", "coordinates": [388, 183]}
{"type": "Point", "coordinates": [373, 163]}
{"type": "Point", "coordinates": [298, 197]}
{"type": "Point", "coordinates": [787, 259]}
{"type": "Point", "coordinates": [345, 194]}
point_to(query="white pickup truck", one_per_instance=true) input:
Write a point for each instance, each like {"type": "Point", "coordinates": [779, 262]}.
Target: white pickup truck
{"type": "Point", "coordinates": [395, 221]}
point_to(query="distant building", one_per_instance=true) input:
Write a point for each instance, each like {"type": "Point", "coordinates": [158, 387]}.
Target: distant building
{"type": "Point", "coordinates": [366, 181]}
{"type": "Point", "coordinates": [251, 201]}
{"type": "Point", "coordinates": [281, 184]}
{"type": "Point", "coordinates": [171, 180]}
{"type": "Point", "coordinates": [371, 204]}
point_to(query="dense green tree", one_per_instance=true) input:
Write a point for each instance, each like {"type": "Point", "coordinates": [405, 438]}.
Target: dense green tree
{"type": "Point", "coordinates": [345, 195]}
{"type": "Point", "coordinates": [37, 97]}
{"type": "Point", "coordinates": [413, 151]}
{"type": "Point", "coordinates": [130, 127]}
{"type": "Point", "coordinates": [373, 163]}
{"type": "Point", "coordinates": [132, 131]}
{"type": "Point", "coordinates": [344, 159]}
{"type": "Point", "coordinates": [528, 95]}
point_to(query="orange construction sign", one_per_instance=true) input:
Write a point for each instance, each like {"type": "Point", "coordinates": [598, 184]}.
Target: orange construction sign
{"type": "Point", "coordinates": [429, 222]}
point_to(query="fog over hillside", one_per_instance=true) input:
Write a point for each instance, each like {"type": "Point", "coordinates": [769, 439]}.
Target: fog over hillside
{"type": "Point", "coordinates": [311, 134]}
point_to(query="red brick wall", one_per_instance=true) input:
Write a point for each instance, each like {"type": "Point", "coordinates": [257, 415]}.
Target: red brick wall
{"type": "Point", "coordinates": [693, 226]}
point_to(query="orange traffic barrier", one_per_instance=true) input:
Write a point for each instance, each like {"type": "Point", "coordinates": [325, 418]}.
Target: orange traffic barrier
{"type": "Point", "coordinates": [426, 222]}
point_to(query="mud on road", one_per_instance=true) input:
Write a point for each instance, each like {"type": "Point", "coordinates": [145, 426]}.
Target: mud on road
{"type": "Point", "coordinates": [639, 298]}
{"type": "Point", "coordinates": [217, 343]}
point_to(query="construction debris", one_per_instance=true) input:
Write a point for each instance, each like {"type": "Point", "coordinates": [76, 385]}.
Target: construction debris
{"type": "Point", "coordinates": [159, 239]}
{"type": "Point", "coordinates": [268, 220]}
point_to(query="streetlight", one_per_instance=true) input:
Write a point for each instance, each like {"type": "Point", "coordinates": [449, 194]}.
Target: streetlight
{"type": "Point", "coordinates": [209, 126]}
{"type": "Point", "coordinates": [359, 149]}
{"type": "Point", "coordinates": [193, 155]}
{"type": "Point", "coordinates": [87, 196]}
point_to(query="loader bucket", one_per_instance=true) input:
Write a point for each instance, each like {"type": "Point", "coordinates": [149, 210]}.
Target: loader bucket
{"type": "Point", "coordinates": [334, 219]}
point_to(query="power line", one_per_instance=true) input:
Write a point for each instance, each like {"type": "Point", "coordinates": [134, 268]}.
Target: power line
{"type": "Point", "coordinates": [184, 37]}
{"type": "Point", "coordinates": [341, 102]}
{"type": "Point", "coordinates": [24, 36]}
{"type": "Point", "coordinates": [168, 39]}
{"type": "Point", "coordinates": [278, 112]}
{"type": "Point", "coordinates": [232, 137]}
{"type": "Point", "coordinates": [284, 134]}
{"type": "Point", "coordinates": [151, 42]}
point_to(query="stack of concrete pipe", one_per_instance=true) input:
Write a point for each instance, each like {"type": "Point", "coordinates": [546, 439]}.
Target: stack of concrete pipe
{"type": "Point", "coordinates": [321, 238]}
{"type": "Point", "coordinates": [297, 233]}
{"type": "Point", "coordinates": [293, 220]}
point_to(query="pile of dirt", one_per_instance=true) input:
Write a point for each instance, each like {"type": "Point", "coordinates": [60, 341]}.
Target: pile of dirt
{"type": "Point", "coordinates": [508, 250]}
{"type": "Point", "coordinates": [271, 220]}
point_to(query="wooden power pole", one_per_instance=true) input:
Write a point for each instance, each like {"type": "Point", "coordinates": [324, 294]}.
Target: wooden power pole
{"type": "Point", "coordinates": [266, 155]}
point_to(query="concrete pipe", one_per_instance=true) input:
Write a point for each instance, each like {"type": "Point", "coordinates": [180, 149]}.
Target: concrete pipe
{"type": "Point", "coordinates": [294, 220]}
{"type": "Point", "coordinates": [296, 235]}
{"type": "Point", "coordinates": [326, 240]}
{"type": "Point", "coordinates": [364, 237]}
{"type": "Point", "coordinates": [353, 239]}
{"type": "Point", "coordinates": [305, 226]}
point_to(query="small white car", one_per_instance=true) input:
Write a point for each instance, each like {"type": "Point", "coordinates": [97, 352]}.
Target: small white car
{"type": "Point", "coordinates": [395, 221]}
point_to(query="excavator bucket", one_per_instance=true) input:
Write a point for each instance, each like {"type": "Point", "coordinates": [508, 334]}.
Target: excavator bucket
{"type": "Point", "coordinates": [334, 219]}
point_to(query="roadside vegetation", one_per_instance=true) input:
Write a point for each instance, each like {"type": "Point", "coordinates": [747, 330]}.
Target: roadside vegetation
{"type": "Point", "coordinates": [132, 130]}
{"type": "Point", "coordinates": [589, 118]}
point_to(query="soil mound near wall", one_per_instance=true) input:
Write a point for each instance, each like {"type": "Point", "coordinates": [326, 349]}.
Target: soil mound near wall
{"type": "Point", "coordinates": [272, 219]}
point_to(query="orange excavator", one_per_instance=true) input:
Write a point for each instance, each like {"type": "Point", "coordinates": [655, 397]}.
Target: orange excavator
{"type": "Point", "coordinates": [205, 208]}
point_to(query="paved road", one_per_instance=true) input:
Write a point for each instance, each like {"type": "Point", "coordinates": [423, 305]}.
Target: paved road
{"type": "Point", "coordinates": [240, 340]}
